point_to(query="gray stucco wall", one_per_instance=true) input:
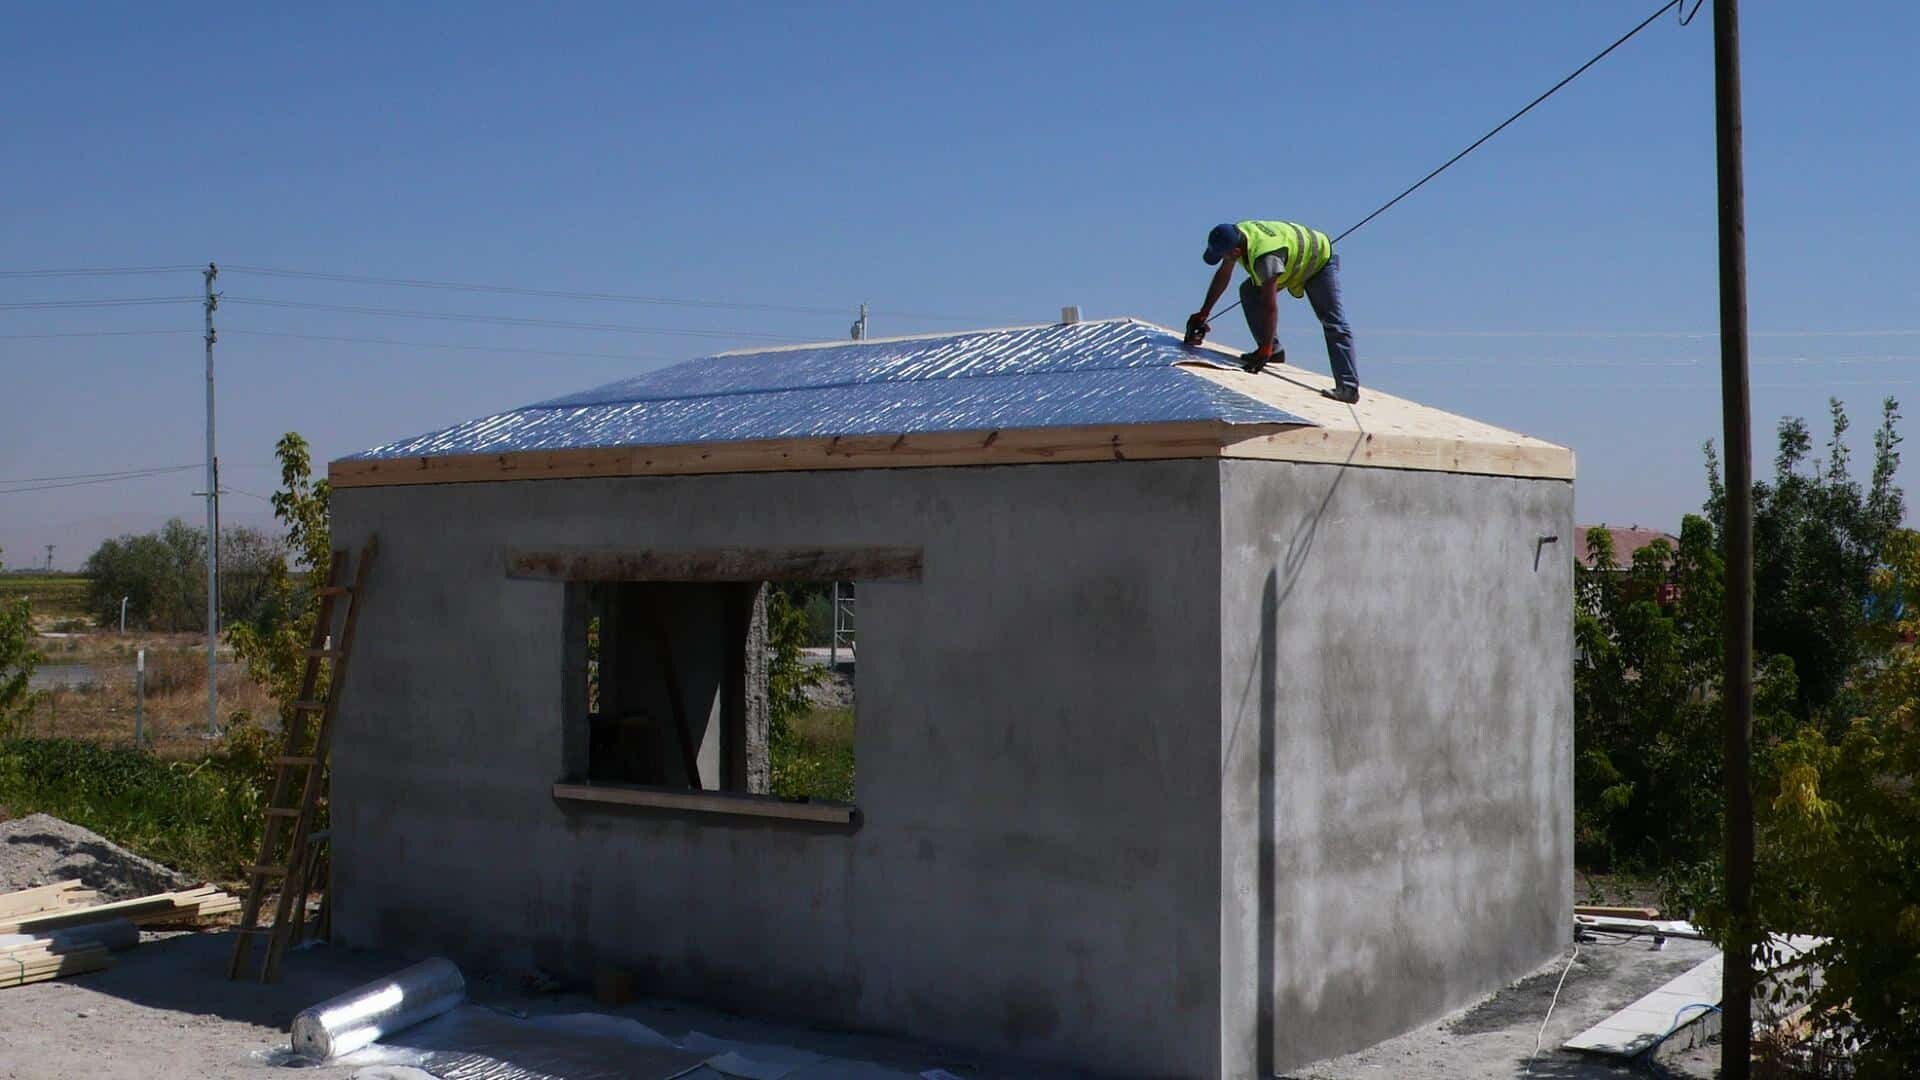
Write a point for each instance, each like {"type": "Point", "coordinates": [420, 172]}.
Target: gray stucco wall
{"type": "Point", "coordinates": [1037, 864]}
{"type": "Point", "coordinates": [1397, 724]}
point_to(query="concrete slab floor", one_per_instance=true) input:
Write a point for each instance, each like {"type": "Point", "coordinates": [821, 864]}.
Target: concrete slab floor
{"type": "Point", "coordinates": [167, 1009]}
{"type": "Point", "coordinates": [1495, 1037]}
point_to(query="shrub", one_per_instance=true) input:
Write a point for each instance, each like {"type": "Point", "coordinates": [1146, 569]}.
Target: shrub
{"type": "Point", "coordinates": [202, 817]}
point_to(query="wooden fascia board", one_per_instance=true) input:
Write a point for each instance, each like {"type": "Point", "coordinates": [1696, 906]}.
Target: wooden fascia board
{"type": "Point", "coordinates": [1391, 450]}
{"type": "Point", "coordinates": [1130, 442]}
{"type": "Point", "coordinates": [1143, 442]}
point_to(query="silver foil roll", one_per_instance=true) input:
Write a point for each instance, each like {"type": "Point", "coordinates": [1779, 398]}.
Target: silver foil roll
{"type": "Point", "coordinates": [365, 1014]}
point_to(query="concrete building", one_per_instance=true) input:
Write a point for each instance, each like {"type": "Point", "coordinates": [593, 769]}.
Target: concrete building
{"type": "Point", "coordinates": [1206, 726]}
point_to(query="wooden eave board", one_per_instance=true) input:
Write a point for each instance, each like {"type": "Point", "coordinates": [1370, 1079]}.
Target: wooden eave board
{"type": "Point", "coordinates": [1124, 442]}
{"type": "Point", "coordinates": [1381, 431]}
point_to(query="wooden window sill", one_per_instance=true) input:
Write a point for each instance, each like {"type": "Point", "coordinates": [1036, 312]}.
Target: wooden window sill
{"type": "Point", "coordinates": [706, 802]}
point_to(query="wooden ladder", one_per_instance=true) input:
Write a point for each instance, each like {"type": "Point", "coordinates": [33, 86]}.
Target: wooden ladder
{"type": "Point", "coordinates": [289, 846]}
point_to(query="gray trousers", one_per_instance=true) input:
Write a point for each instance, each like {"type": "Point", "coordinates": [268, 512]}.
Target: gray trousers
{"type": "Point", "coordinates": [1323, 292]}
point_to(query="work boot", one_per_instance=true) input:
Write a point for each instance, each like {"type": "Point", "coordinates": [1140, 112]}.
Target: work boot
{"type": "Point", "coordinates": [1345, 394]}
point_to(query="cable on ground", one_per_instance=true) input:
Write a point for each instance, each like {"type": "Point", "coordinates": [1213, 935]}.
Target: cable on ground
{"type": "Point", "coordinates": [1541, 1035]}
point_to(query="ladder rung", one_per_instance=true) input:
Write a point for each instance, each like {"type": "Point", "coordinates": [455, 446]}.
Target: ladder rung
{"type": "Point", "coordinates": [295, 759]}
{"type": "Point", "coordinates": [305, 705]}
{"type": "Point", "coordinates": [270, 871]}
{"type": "Point", "coordinates": [323, 652]}
{"type": "Point", "coordinates": [283, 811]}
{"type": "Point", "coordinates": [335, 590]}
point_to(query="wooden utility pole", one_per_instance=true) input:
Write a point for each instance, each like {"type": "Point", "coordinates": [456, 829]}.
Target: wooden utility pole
{"type": "Point", "coordinates": [213, 525]}
{"type": "Point", "coordinates": [1736, 989]}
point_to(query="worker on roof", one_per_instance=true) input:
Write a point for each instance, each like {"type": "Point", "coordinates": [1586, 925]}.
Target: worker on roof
{"type": "Point", "coordinates": [1277, 255]}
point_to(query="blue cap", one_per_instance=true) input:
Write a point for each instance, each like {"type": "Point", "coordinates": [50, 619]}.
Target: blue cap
{"type": "Point", "coordinates": [1224, 238]}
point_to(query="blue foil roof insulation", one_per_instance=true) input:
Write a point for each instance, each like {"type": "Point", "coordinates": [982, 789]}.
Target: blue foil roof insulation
{"type": "Point", "coordinates": [1094, 373]}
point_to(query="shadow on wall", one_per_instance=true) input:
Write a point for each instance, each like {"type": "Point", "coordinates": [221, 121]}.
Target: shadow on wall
{"type": "Point", "coordinates": [1280, 583]}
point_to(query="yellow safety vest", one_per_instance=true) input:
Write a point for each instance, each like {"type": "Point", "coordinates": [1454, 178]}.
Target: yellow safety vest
{"type": "Point", "coordinates": [1307, 251]}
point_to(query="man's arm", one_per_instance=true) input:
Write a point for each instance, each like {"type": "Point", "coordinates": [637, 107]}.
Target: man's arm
{"type": "Point", "coordinates": [1222, 274]}
{"type": "Point", "coordinates": [1270, 296]}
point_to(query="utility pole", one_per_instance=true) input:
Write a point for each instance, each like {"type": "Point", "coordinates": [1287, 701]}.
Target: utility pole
{"type": "Point", "coordinates": [860, 325]}
{"type": "Point", "coordinates": [213, 526]}
{"type": "Point", "coordinates": [49, 558]}
{"type": "Point", "coordinates": [1736, 988]}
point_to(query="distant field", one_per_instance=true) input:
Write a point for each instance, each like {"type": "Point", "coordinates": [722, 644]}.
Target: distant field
{"type": "Point", "coordinates": [59, 595]}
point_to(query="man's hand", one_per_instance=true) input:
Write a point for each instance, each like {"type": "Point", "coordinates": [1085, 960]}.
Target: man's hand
{"type": "Point", "coordinates": [1196, 329]}
{"type": "Point", "coordinates": [1256, 361]}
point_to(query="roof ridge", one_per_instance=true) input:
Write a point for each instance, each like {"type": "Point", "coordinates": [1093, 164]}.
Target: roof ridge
{"type": "Point", "coordinates": [836, 344]}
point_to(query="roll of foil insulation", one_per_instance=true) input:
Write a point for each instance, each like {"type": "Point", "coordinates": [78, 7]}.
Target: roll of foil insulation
{"type": "Point", "coordinates": [368, 1013]}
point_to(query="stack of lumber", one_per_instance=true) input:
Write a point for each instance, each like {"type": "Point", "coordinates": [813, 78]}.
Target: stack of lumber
{"type": "Point", "coordinates": [47, 908]}
{"type": "Point", "coordinates": [40, 958]}
{"type": "Point", "coordinates": [55, 897]}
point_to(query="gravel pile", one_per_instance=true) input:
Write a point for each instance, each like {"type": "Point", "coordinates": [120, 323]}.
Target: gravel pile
{"type": "Point", "coordinates": [834, 692]}
{"type": "Point", "coordinates": [40, 850]}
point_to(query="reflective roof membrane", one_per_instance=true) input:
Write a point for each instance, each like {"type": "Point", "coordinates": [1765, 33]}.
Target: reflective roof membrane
{"type": "Point", "coordinates": [1118, 371]}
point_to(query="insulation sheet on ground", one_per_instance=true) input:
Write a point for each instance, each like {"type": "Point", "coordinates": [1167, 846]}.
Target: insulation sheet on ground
{"type": "Point", "coordinates": [476, 1043]}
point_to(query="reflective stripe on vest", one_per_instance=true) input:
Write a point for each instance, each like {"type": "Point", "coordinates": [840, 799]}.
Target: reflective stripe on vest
{"type": "Point", "coordinates": [1307, 251]}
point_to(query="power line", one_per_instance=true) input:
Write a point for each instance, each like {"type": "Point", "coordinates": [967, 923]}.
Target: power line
{"type": "Point", "coordinates": [92, 475]}
{"type": "Point", "coordinates": [562, 294]}
{"type": "Point", "coordinates": [447, 345]}
{"type": "Point", "coordinates": [92, 333]}
{"type": "Point", "coordinates": [504, 320]}
{"type": "Point", "coordinates": [1555, 88]}
{"type": "Point", "coordinates": [1678, 335]}
{"type": "Point", "coordinates": [140, 475]}
{"type": "Point", "coordinates": [120, 301]}
{"type": "Point", "coordinates": [97, 271]}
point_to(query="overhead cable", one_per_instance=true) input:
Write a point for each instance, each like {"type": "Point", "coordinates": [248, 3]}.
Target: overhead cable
{"type": "Point", "coordinates": [562, 294]}
{"type": "Point", "coordinates": [1687, 335]}
{"type": "Point", "coordinates": [503, 320]}
{"type": "Point", "coordinates": [92, 475]}
{"type": "Point", "coordinates": [95, 333]}
{"type": "Point", "coordinates": [112, 478]}
{"type": "Point", "coordinates": [117, 301]}
{"type": "Point", "coordinates": [1670, 5]}
{"type": "Point", "coordinates": [98, 271]}
{"type": "Point", "coordinates": [442, 345]}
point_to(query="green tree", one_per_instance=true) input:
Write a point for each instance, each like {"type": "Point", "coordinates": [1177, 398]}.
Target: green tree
{"type": "Point", "coordinates": [1837, 845]}
{"type": "Point", "coordinates": [1647, 732]}
{"type": "Point", "coordinates": [273, 642]}
{"type": "Point", "coordinates": [163, 576]}
{"type": "Point", "coordinates": [789, 674]}
{"type": "Point", "coordinates": [1818, 536]}
{"type": "Point", "coordinates": [18, 659]}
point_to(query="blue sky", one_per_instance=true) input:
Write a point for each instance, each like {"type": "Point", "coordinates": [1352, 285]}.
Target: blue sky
{"type": "Point", "coordinates": [983, 163]}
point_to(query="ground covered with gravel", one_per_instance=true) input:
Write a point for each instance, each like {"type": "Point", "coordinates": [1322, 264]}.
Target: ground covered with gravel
{"type": "Point", "coordinates": [39, 850]}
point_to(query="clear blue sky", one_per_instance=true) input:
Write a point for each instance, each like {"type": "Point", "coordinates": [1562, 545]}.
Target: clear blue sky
{"type": "Point", "coordinates": [987, 162]}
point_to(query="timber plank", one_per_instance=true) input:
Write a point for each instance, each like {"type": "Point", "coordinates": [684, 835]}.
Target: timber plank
{"type": "Point", "coordinates": [708, 802]}
{"type": "Point", "coordinates": [717, 564]}
{"type": "Point", "coordinates": [121, 909]}
{"type": "Point", "coordinates": [1127, 442]}
{"type": "Point", "coordinates": [37, 899]}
